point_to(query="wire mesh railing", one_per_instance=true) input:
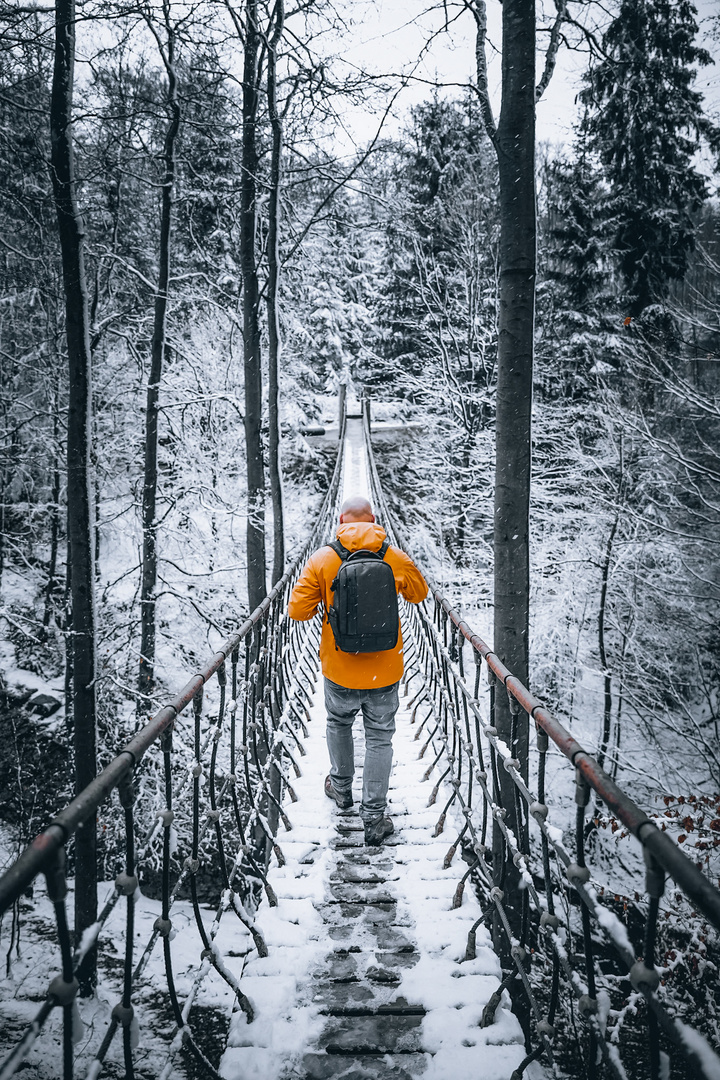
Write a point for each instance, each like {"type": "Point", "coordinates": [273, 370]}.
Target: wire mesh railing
{"type": "Point", "coordinates": [550, 919]}
{"type": "Point", "coordinates": [241, 765]}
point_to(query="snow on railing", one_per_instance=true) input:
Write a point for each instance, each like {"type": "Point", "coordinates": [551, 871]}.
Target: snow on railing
{"type": "Point", "coordinates": [535, 923]}
{"type": "Point", "coordinates": [237, 800]}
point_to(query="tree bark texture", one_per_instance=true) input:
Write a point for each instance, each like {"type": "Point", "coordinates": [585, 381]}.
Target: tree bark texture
{"type": "Point", "coordinates": [602, 645]}
{"type": "Point", "coordinates": [50, 585]}
{"type": "Point", "coordinates": [146, 679]}
{"type": "Point", "coordinates": [516, 161]}
{"type": "Point", "coordinates": [515, 143]}
{"type": "Point", "coordinates": [252, 355]}
{"type": "Point", "coordinates": [80, 507]}
{"type": "Point", "coordinates": [274, 468]}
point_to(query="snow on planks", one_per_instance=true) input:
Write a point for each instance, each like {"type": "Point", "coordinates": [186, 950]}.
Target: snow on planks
{"type": "Point", "coordinates": [356, 481]}
{"type": "Point", "coordinates": [365, 976]}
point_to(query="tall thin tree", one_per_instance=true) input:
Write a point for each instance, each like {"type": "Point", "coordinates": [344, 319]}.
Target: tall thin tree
{"type": "Point", "coordinates": [80, 503]}
{"type": "Point", "coordinates": [514, 142]}
{"type": "Point", "coordinates": [157, 360]}
{"type": "Point", "coordinates": [252, 353]}
{"type": "Point", "coordinates": [274, 468]}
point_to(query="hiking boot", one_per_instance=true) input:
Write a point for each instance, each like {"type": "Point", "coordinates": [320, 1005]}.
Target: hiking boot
{"type": "Point", "coordinates": [343, 800]}
{"type": "Point", "coordinates": [376, 831]}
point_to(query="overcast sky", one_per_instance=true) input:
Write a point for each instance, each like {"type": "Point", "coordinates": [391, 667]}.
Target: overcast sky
{"type": "Point", "coordinates": [390, 35]}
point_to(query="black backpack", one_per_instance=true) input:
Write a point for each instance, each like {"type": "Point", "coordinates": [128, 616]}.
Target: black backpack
{"type": "Point", "coordinates": [364, 613]}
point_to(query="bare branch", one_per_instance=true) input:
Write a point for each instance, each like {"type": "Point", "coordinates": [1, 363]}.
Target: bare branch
{"type": "Point", "coordinates": [596, 48]}
{"type": "Point", "coordinates": [479, 13]}
{"type": "Point", "coordinates": [553, 47]}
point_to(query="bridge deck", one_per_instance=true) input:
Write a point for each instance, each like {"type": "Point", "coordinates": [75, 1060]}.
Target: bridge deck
{"type": "Point", "coordinates": [355, 479]}
{"type": "Point", "coordinates": [365, 974]}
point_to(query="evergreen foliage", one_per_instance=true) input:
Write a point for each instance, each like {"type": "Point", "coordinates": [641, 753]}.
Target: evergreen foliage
{"type": "Point", "coordinates": [577, 239]}
{"type": "Point", "coordinates": [441, 250]}
{"type": "Point", "coordinates": [577, 321]}
{"type": "Point", "coordinates": [437, 307]}
{"type": "Point", "coordinates": [645, 121]}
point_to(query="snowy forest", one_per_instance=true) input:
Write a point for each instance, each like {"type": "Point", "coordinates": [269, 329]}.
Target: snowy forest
{"type": "Point", "coordinates": [212, 219]}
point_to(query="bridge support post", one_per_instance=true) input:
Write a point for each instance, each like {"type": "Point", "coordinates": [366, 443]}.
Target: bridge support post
{"type": "Point", "coordinates": [342, 399]}
{"type": "Point", "coordinates": [366, 410]}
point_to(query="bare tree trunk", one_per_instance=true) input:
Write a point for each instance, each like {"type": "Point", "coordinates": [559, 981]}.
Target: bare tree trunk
{"type": "Point", "coordinates": [516, 161]}
{"type": "Point", "coordinates": [67, 633]}
{"type": "Point", "coordinates": [54, 510]}
{"type": "Point", "coordinates": [96, 514]}
{"type": "Point", "coordinates": [252, 356]}
{"type": "Point", "coordinates": [274, 469]}
{"type": "Point", "coordinates": [146, 680]}
{"type": "Point", "coordinates": [514, 141]}
{"type": "Point", "coordinates": [3, 480]}
{"type": "Point", "coordinates": [3, 466]}
{"type": "Point", "coordinates": [615, 751]}
{"type": "Point", "coordinates": [342, 398]}
{"type": "Point", "coordinates": [2, 520]}
{"type": "Point", "coordinates": [80, 524]}
{"type": "Point", "coordinates": [607, 674]}
{"type": "Point", "coordinates": [511, 542]}
{"type": "Point", "coordinates": [463, 493]}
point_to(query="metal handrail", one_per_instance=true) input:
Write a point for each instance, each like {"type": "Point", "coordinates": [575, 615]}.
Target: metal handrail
{"type": "Point", "coordinates": [273, 674]}
{"type": "Point", "coordinates": [42, 851]}
{"type": "Point", "coordinates": [459, 731]}
{"type": "Point", "coordinates": [658, 844]}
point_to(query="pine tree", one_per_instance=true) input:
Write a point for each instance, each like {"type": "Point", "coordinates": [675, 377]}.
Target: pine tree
{"type": "Point", "coordinates": [646, 121]}
{"type": "Point", "coordinates": [441, 243]}
{"type": "Point", "coordinates": [577, 229]}
{"type": "Point", "coordinates": [576, 307]}
{"type": "Point", "coordinates": [437, 304]}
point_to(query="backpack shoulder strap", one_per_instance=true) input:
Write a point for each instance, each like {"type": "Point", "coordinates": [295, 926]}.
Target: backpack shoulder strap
{"type": "Point", "coordinates": [382, 550]}
{"type": "Point", "coordinates": [338, 549]}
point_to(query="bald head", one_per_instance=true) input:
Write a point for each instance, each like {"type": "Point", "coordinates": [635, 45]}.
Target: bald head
{"type": "Point", "coordinates": [356, 509]}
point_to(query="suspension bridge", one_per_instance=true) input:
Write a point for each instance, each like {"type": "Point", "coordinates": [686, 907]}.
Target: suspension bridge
{"type": "Point", "coordinates": [324, 958]}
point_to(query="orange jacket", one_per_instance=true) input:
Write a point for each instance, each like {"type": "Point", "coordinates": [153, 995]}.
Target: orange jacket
{"type": "Point", "coordinates": [356, 671]}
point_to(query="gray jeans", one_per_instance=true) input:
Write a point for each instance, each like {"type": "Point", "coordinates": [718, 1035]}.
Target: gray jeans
{"type": "Point", "coordinates": [378, 709]}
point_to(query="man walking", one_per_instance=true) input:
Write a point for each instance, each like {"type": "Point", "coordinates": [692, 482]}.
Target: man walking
{"type": "Point", "coordinates": [358, 680]}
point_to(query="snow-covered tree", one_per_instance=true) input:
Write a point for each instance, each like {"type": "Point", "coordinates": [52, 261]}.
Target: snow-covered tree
{"type": "Point", "coordinates": [576, 232]}
{"type": "Point", "coordinates": [437, 306]}
{"type": "Point", "coordinates": [646, 122]}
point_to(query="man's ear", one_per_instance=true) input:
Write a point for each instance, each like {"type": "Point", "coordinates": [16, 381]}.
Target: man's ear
{"type": "Point", "coordinates": [342, 519]}
{"type": "Point", "coordinates": [372, 518]}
